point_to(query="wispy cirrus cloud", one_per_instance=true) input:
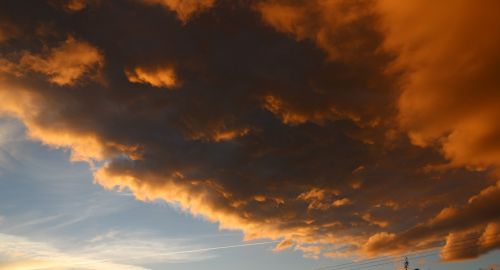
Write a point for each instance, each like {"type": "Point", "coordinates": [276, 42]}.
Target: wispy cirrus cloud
{"type": "Point", "coordinates": [24, 254]}
{"type": "Point", "coordinates": [111, 250]}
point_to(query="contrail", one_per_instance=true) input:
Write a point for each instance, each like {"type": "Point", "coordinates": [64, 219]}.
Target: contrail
{"type": "Point", "coordinates": [218, 248]}
{"type": "Point", "coordinates": [191, 251]}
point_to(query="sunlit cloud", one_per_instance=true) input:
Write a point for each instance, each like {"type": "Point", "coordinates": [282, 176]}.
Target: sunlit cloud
{"type": "Point", "coordinates": [76, 5]}
{"type": "Point", "coordinates": [159, 77]}
{"type": "Point", "coordinates": [448, 88]}
{"type": "Point", "coordinates": [184, 9]}
{"type": "Point", "coordinates": [335, 128]}
{"type": "Point", "coordinates": [66, 63]}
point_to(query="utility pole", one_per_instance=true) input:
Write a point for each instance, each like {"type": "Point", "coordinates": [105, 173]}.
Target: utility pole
{"type": "Point", "coordinates": [407, 264]}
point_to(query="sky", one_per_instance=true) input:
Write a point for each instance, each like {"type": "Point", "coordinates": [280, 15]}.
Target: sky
{"type": "Point", "coordinates": [264, 134]}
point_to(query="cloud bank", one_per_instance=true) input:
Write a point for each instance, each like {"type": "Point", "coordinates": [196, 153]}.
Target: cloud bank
{"type": "Point", "coordinates": [340, 127]}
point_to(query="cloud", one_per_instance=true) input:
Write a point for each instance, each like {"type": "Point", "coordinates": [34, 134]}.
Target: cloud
{"type": "Point", "coordinates": [66, 63]}
{"type": "Point", "coordinates": [321, 124]}
{"type": "Point", "coordinates": [449, 85]}
{"type": "Point", "coordinates": [111, 250]}
{"type": "Point", "coordinates": [476, 223]}
{"type": "Point", "coordinates": [76, 5]}
{"type": "Point", "coordinates": [285, 244]}
{"type": "Point", "coordinates": [161, 77]}
{"type": "Point", "coordinates": [334, 25]}
{"type": "Point", "coordinates": [10, 68]}
{"type": "Point", "coordinates": [471, 243]}
{"type": "Point", "coordinates": [25, 254]}
{"type": "Point", "coordinates": [184, 8]}
{"type": "Point", "coordinates": [8, 30]}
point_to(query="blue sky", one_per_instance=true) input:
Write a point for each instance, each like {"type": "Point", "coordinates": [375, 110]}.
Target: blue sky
{"type": "Point", "coordinates": [52, 211]}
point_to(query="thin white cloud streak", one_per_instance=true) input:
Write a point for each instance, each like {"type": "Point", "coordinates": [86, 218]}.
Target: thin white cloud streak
{"type": "Point", "coordinates": [219, 248]}
{"type": "Point", "coordinates": [70, 215]}
{"type": "Point", "coordinates": [33, 222]}
{"type": "Point", "coordinates": [139, 247]}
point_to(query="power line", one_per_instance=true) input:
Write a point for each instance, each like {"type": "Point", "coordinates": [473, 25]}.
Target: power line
{"type": "Point", "coordinates": [374, 260]}
{"type": "Point", "coordinates": [456, 246]}
{"type": "Point", "coordinates": [460, 247]}
{"type": "Point", "coordinates": [434, 253]}
{"type": "Point", "coordinates": [463, 241]}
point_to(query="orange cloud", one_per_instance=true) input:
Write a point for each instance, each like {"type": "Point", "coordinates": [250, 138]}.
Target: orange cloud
{"type": "Point", "coordinates": [323, 199]}
{"type": "Point", "coordinates": [9, 68]}
{"type": "Point", "coordinates": [76, 5]}
{"type": "Point", "coordinates": [65, 64]}
{"type": "Point", "coordinates": [471, 243]}
{"type": "Point", "coordinates": [160, 77]}
{"type": "Point", "coordinates": [372, 220]}
{"type": "Point", "coordinates": [341, 202]}
{"type": "Point", "coordinates": [229, 135]}
{"type": "Point", "coordinates": [294, 129]}
{"type": "Point", "coordinates": [292, 115]}
{"type": "Point", "coordinates": [85, 146]}
{"type": "Point", "coordinates": [449, 60]}
{"type": "Point", "coordinates": [285, 244]}
{"type": "Point", "coordinates": [472, 230]}
{"type": "Point", "coordinates": [321, 21]}
{"type": "Point", "coordinates": [184, 8]}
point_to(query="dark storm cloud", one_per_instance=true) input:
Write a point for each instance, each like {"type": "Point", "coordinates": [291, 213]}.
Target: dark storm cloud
{"type": "Point", "coordinates": [284, 119]}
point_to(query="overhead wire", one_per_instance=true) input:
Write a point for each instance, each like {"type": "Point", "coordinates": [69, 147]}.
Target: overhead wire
{"type": "Point", "coordinates": [456, 248]}
{"type": "Point", "coordinates": [457, 245]}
